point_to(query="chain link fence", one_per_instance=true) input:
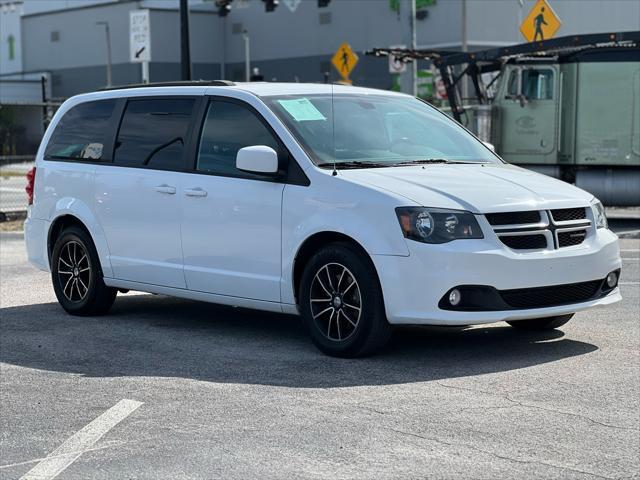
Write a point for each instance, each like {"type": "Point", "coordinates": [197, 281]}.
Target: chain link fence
{"type": "Point", "coordinates": [13, 197]}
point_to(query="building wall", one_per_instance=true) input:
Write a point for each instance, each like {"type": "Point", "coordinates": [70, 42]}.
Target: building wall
{"type": "Point", "coordinates": [10, 37]}
{"type": "Point", "coordinates": [285, 45]}
{"type": "Point", "coordinates": [71, 39]}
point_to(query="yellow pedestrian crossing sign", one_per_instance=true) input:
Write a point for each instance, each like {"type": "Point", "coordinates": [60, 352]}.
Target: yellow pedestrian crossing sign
{"type": "Point", "coordinates": [542, 23]}
{"type": "Point", "coordinates": [344, 60]}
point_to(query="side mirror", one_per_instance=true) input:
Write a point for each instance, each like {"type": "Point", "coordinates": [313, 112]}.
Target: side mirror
{"type": "Point", "coordinates": [258, 159]}
{"type": "Point", "coordinates": [490, 146]}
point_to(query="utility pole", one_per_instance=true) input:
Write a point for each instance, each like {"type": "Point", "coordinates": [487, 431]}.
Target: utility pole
{"type": "Point", "coordinates": [414, 65]}
{"type": "Point", "coordinates": [223, 61]}
{"type": "Point", "coordinates": [408, 27]}
{"type": "Point", "coordinates": [108, 34]}
{"type": "Point", "coordinates": [465, 47]}
{"type": "Point", "coordinates": [247, 56]}
{"type": "Point", "coordinates": [185, 56]}
{"type": "Point", "coordinates": [521, 4]}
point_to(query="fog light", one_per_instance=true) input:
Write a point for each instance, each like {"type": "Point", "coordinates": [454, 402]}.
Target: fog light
{"type": "Point", "coordinates": [612, 279]}
{"type": "Point", "coordinates": [455, 297]}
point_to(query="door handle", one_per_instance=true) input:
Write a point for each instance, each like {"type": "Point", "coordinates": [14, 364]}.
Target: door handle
{"type": "Point", "coordinates": [195, 192]}
{"type": "Point", "coordinates": [165, 189]}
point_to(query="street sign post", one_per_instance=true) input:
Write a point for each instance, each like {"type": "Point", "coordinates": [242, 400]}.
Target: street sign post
{"type": "Point", "coordinates": [542, 23]}
{"type": "Point", "coordinates": [345, 61]}
{"type": "Point", "coordinates": [140, 40]}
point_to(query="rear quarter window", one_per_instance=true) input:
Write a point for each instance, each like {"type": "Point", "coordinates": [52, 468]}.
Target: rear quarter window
{"type": "Point", "coordinates": [83, 133]}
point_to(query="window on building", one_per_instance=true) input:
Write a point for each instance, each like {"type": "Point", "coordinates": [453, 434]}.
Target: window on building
{"type": "Point", "coordinates": [82, 132]}
{"type": "Point", "coordinates": [153, 133]}
{"type": "Point", "coordinates": [229, 127]}
{"type": "Point", "coordinates": [324, 18]}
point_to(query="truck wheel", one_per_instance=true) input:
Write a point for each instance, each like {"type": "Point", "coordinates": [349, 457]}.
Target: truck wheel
{"type": "Point", "coordinates": [548, 323]}
{"type": "Point", "coordinates": [341, 303]}
{"type": "Point", "coordinates": [77, 276]}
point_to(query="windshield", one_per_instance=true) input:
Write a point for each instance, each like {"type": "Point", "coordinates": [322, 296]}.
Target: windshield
{"type": "Point", "coordinates": [376, 130]}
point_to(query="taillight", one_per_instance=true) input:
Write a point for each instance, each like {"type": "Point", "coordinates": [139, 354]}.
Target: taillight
{"type": "Point", "coordinates": [31, 182]}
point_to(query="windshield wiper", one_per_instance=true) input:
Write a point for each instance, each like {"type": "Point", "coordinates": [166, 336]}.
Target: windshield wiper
{"type": "Point", "coordinates": [355, 164]}
{"type": "Point", "coordinates": [352, 164]}
{"type": "Point", "coordinates": [423, 161]}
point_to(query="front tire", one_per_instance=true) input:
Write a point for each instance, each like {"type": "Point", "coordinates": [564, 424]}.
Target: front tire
{"type": "Point", "coordinates": [342, 304]}
{"type": "Point", "coordinates": [548, 323]}
{"type": "Point", "coordinates": [77, 276]}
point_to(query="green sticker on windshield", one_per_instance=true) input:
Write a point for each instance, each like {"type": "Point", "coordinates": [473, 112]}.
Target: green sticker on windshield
{"type": "Point", "coordinates": [302, 110]}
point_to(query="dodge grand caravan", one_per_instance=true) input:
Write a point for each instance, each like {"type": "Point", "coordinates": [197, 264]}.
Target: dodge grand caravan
{"type": "Point", "coordinates": [358, 209]}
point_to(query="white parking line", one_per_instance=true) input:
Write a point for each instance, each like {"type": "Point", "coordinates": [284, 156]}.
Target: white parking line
{"type": "Point", "coordinates": [80, 442]}
{"type": "Point", "coordinates": [36, 460]}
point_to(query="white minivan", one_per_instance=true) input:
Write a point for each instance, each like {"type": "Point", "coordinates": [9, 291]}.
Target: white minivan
{"type": "Point", "coordinates": [358, 209]}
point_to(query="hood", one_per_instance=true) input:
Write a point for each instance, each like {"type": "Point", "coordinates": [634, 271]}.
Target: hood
{"type": "Point", "coordinates": [481, 188]}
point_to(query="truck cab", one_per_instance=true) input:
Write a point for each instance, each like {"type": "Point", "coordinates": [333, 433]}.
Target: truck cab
{"type": "Point", "coordinates": [576, 118]}
{"type": "Point", "coordinates": [528, 103]}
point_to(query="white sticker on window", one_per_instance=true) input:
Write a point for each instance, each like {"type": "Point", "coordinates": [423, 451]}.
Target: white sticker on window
{"type": "Point", "coordinates": [302, 110]}
{"type": "Point", "coordinates": [93, 151]}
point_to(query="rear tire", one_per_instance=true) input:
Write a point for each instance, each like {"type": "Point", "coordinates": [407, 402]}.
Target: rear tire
{"type": "Point", "coordinates": [548, 323]}
{"type": "Point", "coordinates": [77, 276]}
{"type": "Point", "coordinates": [342, 304]}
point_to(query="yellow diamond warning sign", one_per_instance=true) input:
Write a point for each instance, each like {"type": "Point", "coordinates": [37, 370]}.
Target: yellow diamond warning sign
{"type": "Point", "coordinates": [344, 60]}
{"type": "Point", "coordinates": [542, 23]}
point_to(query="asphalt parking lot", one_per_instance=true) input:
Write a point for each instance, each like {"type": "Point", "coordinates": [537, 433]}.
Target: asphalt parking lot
{"type": "Point", "coordinates": [168, 388]}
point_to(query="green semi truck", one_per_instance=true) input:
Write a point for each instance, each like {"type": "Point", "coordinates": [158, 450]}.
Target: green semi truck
{"type": "Point", "coordinates": [568, 107]}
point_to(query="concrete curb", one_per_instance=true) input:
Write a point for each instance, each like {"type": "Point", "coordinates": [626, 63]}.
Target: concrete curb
{"type": "Point", "coordinates": [623, 213]}
{"type": "Point", "coordinates": [14, 215]}
{"type": "Point", "coordinates": [629, 234]}
{"type": "Point", "coordinates": [12, 235]}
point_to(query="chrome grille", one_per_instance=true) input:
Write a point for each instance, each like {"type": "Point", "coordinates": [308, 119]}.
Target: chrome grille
{"type": "Point", "coordinates": [574, 237]}
{"type": "Point", "coordinates": [541, 229]}
{"type": "Point", "coordinates": [513, 218]}
{"type": "Point", "coordinates": [525, 242]}
{"type": "Point", "coordinates": [568, 214]}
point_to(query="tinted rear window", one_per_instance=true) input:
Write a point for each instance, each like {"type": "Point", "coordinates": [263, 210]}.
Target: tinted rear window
{"type": "Point", "coordinates": [82, 133]}
{"type": "Point", "coordinates": [153, 133]}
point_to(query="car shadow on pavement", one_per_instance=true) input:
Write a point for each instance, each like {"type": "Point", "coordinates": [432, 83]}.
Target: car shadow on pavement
{"type": "Point", "coordinates": [147, 335]}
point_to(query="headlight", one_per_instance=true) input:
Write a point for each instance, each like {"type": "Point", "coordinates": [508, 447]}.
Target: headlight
{"type": "Point", "coordinates": [434, 225]}
{"type": "Point", "coordinates": [598, 214]}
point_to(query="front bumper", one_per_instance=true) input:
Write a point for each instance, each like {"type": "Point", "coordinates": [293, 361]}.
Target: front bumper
{"type": "Point", "coordinates": [414, 285]}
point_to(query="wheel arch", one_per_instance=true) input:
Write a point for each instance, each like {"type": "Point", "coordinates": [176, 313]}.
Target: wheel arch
{"type": "Point", "coordinates": [58, 225]}
{"type": "Point", "coordinates": [66, 219]}
{"type": "Point", "coordinates": [314, 243]}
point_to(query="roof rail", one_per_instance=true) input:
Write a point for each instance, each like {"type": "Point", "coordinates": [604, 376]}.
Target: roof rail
{"type": "Point", "coordinates": [187, 83]}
